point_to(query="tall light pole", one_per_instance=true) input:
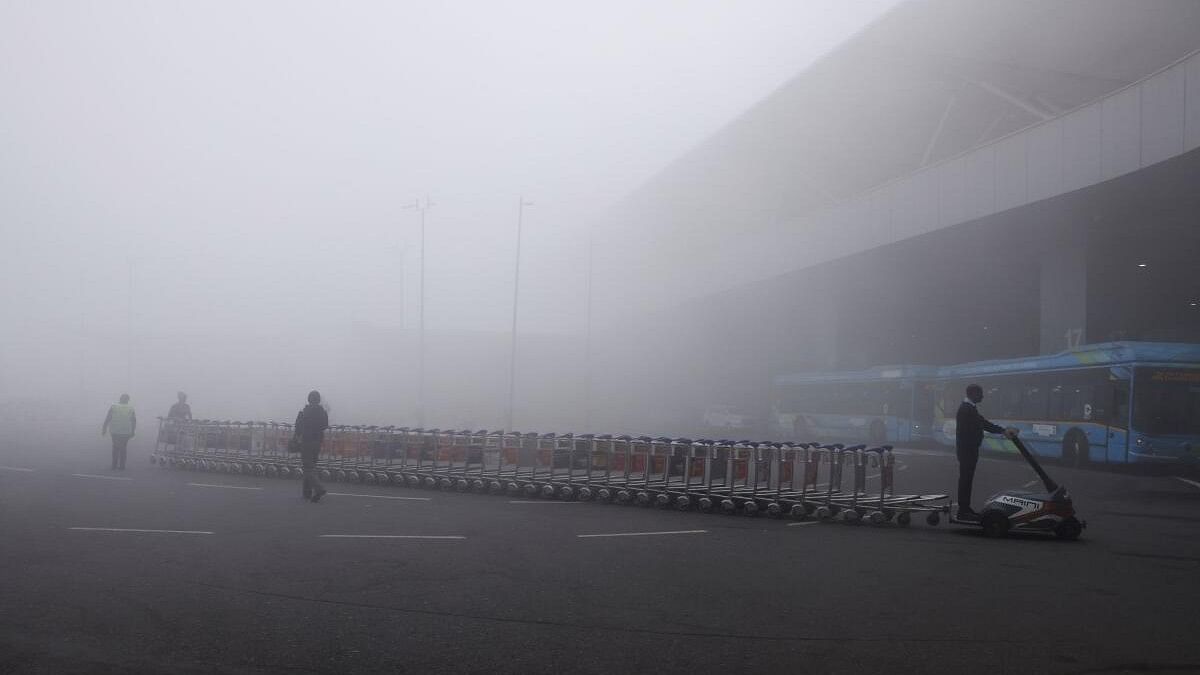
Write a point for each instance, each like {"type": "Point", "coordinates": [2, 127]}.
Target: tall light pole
{"type": "Point", "coordinates": [587, 385]}
{"type": "Point", "coordinates": [421, 207]}
{"type": "Point", "coordinates": [512, 358]}
{"type": "Point", "coordinates": [129, 332]}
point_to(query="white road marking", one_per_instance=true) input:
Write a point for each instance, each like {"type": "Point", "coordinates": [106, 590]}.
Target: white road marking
{"type": "Point", "coordinates": [541, 501]}
{"type": "Point", "coordinates": [92, 475]}
{"type": "Point", "coordinates": [1030, 483]}
{"type": "Point", "coordinates": [640, 534]}
{"type": "Point", "coordinates": [16, 468]}
{"type": "Point", "coordinates": [126, 529]}
{"type": "Point", "coordinates": [1189, 482]}
{"type": "Point", "coordinates": [411, 499]}
{"type": "Point", "coordinates": [388, 536]}
{"type": "Point", "coordinates": [227, 487]}
{"type": "Point", "coordinates": [809, 522]}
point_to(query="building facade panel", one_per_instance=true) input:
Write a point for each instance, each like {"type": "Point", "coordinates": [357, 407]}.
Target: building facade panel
{"type": "Point", "coordinates": [1012, 179]}
{"type": "Point", "coordinates": [955, 198]}
{"type": "Point", "coordinates": [1121, 129]}
{"type": "Point", "coordinates": [1191, 115]}
{"type": "Point", "coordinates": [1081, 147]}
{"type": "Point", "coordinates": [980, 169]}
{"type": "Point", "coordinates": [1163, 99]}
{"type": "Point", "coordinates": [1045, 160]}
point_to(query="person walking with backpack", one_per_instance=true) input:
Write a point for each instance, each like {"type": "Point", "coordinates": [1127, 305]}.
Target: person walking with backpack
{"type": "Point", "coordinates": [310, 428]}
{"type": "Point", "coordinates": [121, 423]}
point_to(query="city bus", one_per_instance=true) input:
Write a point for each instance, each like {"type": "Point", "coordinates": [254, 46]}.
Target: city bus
{"type": "Point", "coordinates": [881, 405]}
{"type": "Point", "coordinates": [1111, 403]}
{"type": "Point", "coordinates": [1114, 403]}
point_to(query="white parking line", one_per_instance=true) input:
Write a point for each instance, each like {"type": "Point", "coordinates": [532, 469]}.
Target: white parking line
{"type": "Point", "coordinates": [126, 529]}
{"type": "Point", "coordinates": [411, 499]}
{"type": "Point", "coordinates": [1189, 482]}
{"type": "Point", "coordinates": [640, 534]}
{"type": "Point", "coordinates": [541, 501]}
{"type": "Point", "coordinates": [227, 487]}
{"type": "Point", "coordinates": [92, 475]}
{"type": "Point", "coordinates": [389, 536]}
{"type": "Point", "coordinates": [16, 468]}
{"type": "Point", "coordinates": [807, 522]}
{"type": "Point", "coordinates": [1030, 483]}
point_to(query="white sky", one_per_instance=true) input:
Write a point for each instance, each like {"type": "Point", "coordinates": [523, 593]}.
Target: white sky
{"type": "Point", "coordinates": [250, 156]}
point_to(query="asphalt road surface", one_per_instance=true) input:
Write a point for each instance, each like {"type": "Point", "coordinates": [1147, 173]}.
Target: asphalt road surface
{"type": "Point", "coordinates": [247, 578]}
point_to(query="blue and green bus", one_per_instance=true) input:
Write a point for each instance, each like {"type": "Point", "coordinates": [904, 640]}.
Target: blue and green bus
{"type": "Point", "coordinates": [1111, 403]}
{"type": "Point", "coordinates": [881, 405]}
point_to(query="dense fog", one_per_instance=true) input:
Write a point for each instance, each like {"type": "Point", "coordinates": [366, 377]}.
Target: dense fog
{"type": "Point", "coordinates": [218, 198]}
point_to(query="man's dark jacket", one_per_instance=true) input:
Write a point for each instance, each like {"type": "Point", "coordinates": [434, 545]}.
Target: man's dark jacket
{"type": "Point", "coordinates": [969, 432]}
{"type": "Point", "coordinates": [311, 424]}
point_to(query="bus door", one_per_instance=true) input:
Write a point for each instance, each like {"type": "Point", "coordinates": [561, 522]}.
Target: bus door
{"type": "Point", "coordinates": [1116, 416]}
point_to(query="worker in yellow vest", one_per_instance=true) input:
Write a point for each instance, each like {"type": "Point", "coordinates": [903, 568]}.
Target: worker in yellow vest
{"type": "Point", "coordinates": [121, 424]}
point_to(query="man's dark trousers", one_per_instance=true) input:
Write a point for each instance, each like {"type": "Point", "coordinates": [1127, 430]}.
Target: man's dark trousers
{"type": "Point", "coordinates": [120, 443]}
{"type": "Point", "coordinates": [308, 462]}
{"type": "Point", "coordinates": [967, 459]}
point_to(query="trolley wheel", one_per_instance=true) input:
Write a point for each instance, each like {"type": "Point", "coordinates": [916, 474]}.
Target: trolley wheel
{"type": "Point", "coordinates": [774, 510]}
{"type": "Point", "coordinates": [750, 508]}
{"type": "Point", "coordinates": [604, 495]}
{"type": "Point", "coordinates": [903, 518]}
{"type": "Point", "coordinates": [824, 513]}
{"type": "Point", "coordinates": [325, 475]}
{"type": "Point", "coordinates": [272, 471]}
{"type": "Point", "coordinates": [260, 470]}
{"type": "Point", "coordinates": [445, 483]}
{"type": "Point", "coordinates": [728, 506]}
{"type": "Point", "coordinates": [643, 498]}
{"type": "Point", "coordinates": [683, 503]}
{"type": "Point", "coordinates": [566, 493]}
{"type": "Point", "coordinates": [1069, 529]}
{"type": "Point", "coordinates": [933, 519]}
{"type": "Point", "coordinates": [876, 517]}
{"type": "Point", "coordinates": [353, 477]}
{"type": "Point", "coordinates": [496, 487]}
{"type": "Point", "coordinates": [367, 478]}
{"type": "Point", "coordinates": [514, 489]}
{"type": "Point", "coordinates": [704, 504]}
{"type": "Point", "coordinates": [478, 486]}
{"type": "Point", "coordinates": [383, 478]}
{"type": "Point", "coordinates": [462, 485]}
{"type": "Point", "coordinates": [530, 490]}
{"type": "Point", "coordinates": [585, 494]}
{"type": "Point", "coordinates": [662, 501]}
{"type": "Point", "coordinates": [995, 524]}
{"type": "Point", "coordinates": [429, 483]}
{"type": "Point", "coordinates": [798, 512]}
{"type": "Point", "coordinates": [623, 496]}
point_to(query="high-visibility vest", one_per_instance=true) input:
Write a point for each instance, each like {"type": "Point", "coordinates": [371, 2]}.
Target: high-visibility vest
{"type": "Point", "coordinates": [121, 422]}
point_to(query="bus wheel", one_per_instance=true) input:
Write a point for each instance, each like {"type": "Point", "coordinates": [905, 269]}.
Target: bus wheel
{"type": "Point", "coordinates": [1075, 449]}
{"type": "Point", "coordinates": [878, 434]}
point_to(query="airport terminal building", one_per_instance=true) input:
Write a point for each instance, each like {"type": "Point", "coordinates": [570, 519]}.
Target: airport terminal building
{"type": "Point", "coordinates": [946, 186]}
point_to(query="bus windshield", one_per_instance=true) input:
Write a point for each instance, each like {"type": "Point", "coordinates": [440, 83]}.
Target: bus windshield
{"type": "Point", "coordinates": [1167, 401]}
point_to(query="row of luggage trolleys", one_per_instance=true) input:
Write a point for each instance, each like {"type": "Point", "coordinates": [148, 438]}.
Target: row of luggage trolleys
{"type": "Point", "coordinates": [798, 480]}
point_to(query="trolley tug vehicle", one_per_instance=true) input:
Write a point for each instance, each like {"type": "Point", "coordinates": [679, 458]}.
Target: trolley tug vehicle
{"type": "Point", "coordinates": [1049, 512]}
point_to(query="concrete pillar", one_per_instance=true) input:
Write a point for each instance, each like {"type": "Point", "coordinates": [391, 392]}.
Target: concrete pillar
{"type": "Point", "coordinates": [1064, 291]}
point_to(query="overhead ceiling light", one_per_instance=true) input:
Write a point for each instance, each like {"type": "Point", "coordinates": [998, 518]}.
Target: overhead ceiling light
{"type": "Point", "coordinates": [1141, 264]}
